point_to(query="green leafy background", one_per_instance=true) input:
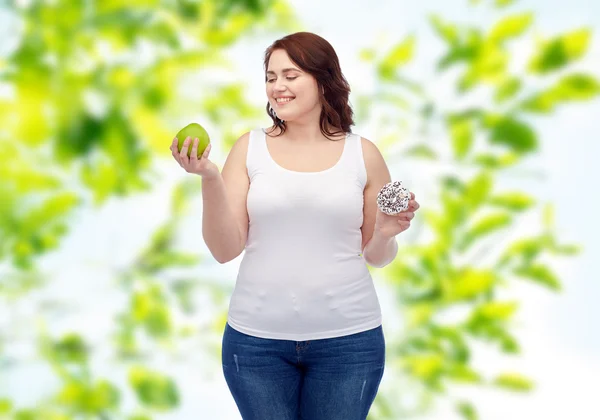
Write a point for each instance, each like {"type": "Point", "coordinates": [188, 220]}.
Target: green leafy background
{"type": "Point", "coordinates": [110, 304]}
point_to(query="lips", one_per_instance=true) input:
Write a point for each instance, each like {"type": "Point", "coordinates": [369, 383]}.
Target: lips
{"type": "Point", "coordinates": [283, 100]}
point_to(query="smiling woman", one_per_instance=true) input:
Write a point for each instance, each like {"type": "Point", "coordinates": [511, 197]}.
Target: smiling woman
{"type": "Point", "coordinates": [304, 69]}
{"type": "Point", "coordinates": [304, 336]}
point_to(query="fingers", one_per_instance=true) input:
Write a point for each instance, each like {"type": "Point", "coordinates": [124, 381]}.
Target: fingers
{"type": "Point", "coordinates": [404, 224]}
{"type": "Point", "coordinates": [173, 147]}
{"type": "Point", "coordinates": [406, 215]}
{"type": "Point", "coordinates": [194, 155]}
{"type": "Point", "coordinates": [207, 151]}
{"type": "Point", "coordinates": [413, 205]}
{"type": "Point", "coordinates": [183, 155]}
{"type": "Point", "coordinates": [192, 162]}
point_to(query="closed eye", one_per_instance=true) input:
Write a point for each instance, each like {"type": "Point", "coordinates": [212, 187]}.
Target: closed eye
{"type": "Point", "coordinates": [288, 78]}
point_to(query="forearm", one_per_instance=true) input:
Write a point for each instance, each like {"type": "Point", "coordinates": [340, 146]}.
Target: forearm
{"type": "Point", "coordinates": [380, 251]}
{"type": "Point", "coordinates": [219, 228]}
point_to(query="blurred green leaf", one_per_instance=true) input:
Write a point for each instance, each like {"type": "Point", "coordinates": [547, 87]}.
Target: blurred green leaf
{"type": "Point", "coordinates": [507, 89]}
{"type": "Point", "coordinates": [491, 161]}
{"type": "Point", "coordinates": [468, 50]}
{"type": "Point", "coordinates": [395, 100]}
{"type": "Point", "coordinates": [484, 226]}
{"type": "Point", "coordinates": [510, 27]}
{"type": "Point", "coordinates": [453, 208]}
{"type": "Point", "coordinates": [577, 86]}
{"type": "Point", "coordinates": [397, 57]}
{"type": "Point", "coordinates": [424, 366]}
{"type": "Point", "coordinates": [57, 206]}
{"type": "Point", "coordinates": [71, 349]}
{"type": "Point", "coordinates": [152, 310]}
{"type": "Point", "coordinates": [548, 216]}
{"type": "Point", "coordinates": [183, 291]}
{"type": "Point", "coordinates": [524, 250]}
{"type": "Point", "coordinates": [478, 189]}
{"type": "Point", "coordinates": [504, 3]}
{"type": "Point", "coordinates": [540, 274]}
{"type": "Point", "coordinates": [461, 133]}
{"type": "Point", "coordinates": [5, 406]}
{"type": "Point", "coordinates": [159, 261]}
{"type": "Point", "coordinates": [154, 389]}
{"type": "Point", "coordinates": [447, 31]}
{"type": "Point", "coordinates": [79, 136]}
{"type": "Point", "coordinates": [507, 342]}
{"type": "Point", "coordinates": [514, 382]}
{"type": "Point", "coordinates": [566, 249]}
{"type": "Point", "coordinates": [139, 417]}
{"type": "Point", "coordinates": [491, 330]}
{"type": "Point", "coordinates": [453, 183]}
{"type": "Point", "coordinates": [469, 283]}
{"type": "Point", "coordinates": [367, 54]}
{"type": "Point", "coordinates": [497, 310]}
{"type": "Point", "coordinates": [159, 254]}
{"type": "Point", "coordinates": [451, 342]}
{"type": "Point", "coordinates": [415, 88]}
{"type": "Point", "coordinates": [573, 87]}
{"type": "Point", "coordinates": [510, 132]}
{"type": "Point", "coordinates": [489, 223]}
{"type": "Point", "coordinates": [488, 65]}
{"type": "Point", "coordinates": [493, 311]}
{"type": "Point", "coordinates": [94, 399]}
{"type": "Point", "coordinates": [464, 374]}
{"type": "Point", "coordinates": [467, 410]}
{"type": "Point", "coordinates": [422, 151]}
{"type": "Point", "coordinates": [516, 201]}
{"type": "Point", "coordinates": [27, 414]}
{"type": "Point", "coordinates": [560, 51]}
{"type": "Point", "coordinates": [419, 314]}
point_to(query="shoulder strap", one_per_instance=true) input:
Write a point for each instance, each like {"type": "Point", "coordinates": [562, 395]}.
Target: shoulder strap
{"type": "Point", "coordinates": [359, 158]}
{"type": "Point", "coordinates": [257, 149]}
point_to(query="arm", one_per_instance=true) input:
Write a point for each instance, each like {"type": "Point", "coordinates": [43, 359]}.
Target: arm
{"type": "Point", "coordinates": [378, 250]}
{"type": "Point", "coordinates": [224, 215]}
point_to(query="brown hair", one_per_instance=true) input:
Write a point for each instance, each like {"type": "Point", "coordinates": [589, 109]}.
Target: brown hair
{"type": "Point", "coordinates": [317, 57]}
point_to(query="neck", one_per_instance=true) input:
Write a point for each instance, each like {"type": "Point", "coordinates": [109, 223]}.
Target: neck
{"type": "Point", "coordinates": [304, 132]}
{"type": "Point", "coordinates": [306, 129]}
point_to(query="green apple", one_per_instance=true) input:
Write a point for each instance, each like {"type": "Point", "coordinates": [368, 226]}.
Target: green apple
{"type": "Point", "coordinates": [194, 131]}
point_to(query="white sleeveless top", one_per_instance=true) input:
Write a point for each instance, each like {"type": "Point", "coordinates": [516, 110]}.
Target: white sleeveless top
{"type": "Point", "coordinates": [303, 276]}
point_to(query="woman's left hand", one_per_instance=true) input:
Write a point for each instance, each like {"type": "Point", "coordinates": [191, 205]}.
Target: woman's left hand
{"type": "Point", "coordinates": [389, 226]}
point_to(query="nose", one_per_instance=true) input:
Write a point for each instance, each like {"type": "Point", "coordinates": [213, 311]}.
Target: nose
{"type": "Point", "coordinates": [279, 85]}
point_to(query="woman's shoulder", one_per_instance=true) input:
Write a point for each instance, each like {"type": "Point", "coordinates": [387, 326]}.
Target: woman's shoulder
{"type": "Point", "coordinates": [373, 158]}
{"type": "Point", "coordinates": [369, 147]}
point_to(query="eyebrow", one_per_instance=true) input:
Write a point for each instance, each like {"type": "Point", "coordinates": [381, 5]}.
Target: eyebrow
{"type": "Point", "coordinates": [284, 70]}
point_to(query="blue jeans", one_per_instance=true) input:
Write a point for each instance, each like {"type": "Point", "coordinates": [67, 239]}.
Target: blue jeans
{"type": "Point", "coordinates": [326, 379]}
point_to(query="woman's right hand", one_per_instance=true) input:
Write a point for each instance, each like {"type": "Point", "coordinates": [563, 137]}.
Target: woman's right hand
{"type": "Point", "coordinates": [203, 167]}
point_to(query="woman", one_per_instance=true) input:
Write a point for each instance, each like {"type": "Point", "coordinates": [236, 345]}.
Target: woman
{"type": "Point", "coordinates": [304, 337]}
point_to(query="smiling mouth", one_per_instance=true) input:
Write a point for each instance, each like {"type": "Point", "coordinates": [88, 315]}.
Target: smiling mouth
{"type": "Point", "coordinates": [284, 100]}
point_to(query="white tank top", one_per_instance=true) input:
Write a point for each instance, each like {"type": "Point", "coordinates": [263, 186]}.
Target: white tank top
{"type": "Point", "coordinates": [303, 276]}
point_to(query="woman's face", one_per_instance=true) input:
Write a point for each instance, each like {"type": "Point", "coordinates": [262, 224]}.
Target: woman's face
{"type": "Point", "coordinates": [292, 92]}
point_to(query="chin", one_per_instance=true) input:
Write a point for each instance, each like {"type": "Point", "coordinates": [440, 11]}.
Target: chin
{"type": "Point", "coordinates": [285, 117]}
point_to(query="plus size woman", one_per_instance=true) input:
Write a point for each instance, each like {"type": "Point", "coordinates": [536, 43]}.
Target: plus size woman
{"type": "Point", "coordinates": [304, 337]}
